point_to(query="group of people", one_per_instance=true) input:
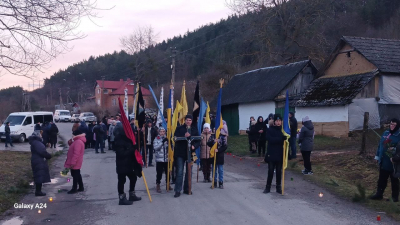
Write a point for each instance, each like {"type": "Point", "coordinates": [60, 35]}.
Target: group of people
{"type": "Point", "coordinates": [49, 133]}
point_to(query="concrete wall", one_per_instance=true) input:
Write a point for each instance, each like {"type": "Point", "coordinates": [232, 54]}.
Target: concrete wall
{"type": "Point", "coordinates": [328, 121]}
{"type": "Point", "coordinates": [246, 110]}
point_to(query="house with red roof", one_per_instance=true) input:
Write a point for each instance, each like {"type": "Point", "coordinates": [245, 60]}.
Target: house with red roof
{"type": "Point", "coordinates": [108, 92]}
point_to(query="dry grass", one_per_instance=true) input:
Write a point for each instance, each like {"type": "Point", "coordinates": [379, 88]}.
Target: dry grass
{"type": "Point", "coordinates": [15, 174]}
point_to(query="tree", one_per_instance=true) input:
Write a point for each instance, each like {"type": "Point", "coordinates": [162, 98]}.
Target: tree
{"type": "Point", "coordinates": [140, 39]}
{"type": "Point", "coordinates": [32, 33]}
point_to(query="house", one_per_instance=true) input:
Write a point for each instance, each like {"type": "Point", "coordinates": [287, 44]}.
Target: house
{"type": "Point", "coordinates": [108, 92]}
{"type": "Point", "coordinates": [361, 75]}
{"type": "Point", "coordinates": [261, 92]}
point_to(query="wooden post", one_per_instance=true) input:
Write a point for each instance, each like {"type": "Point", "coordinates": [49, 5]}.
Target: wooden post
{"type": "Point", "coordinates": [364, 134]}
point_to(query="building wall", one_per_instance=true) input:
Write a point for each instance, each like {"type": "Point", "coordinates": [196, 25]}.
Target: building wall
{"type": "Point", "coordinates": [343, 65]}
{"type": "Point", "coordinates": [357, 110]}
{"type": "Point", "coordinates": [246, 110]}
{"type": "Point", "coordinates": [299, 84]}
{"type": "Point", "coordinates": [328, 121]}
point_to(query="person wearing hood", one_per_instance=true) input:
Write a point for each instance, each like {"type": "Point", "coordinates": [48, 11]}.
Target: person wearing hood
{"type": "Point", "coordinates": [248, 132]}
{"type": "Point", "coordinates": [39, 158]}
{"type": "Point", "coordinates": [261, 130]}
{"type": "Point", "coordinates": [293, 136]}
{"type": "Point", "coordinates": [75, 158]}
{"type": "Point", "coordinates": [99, 133]}
{"type": "Point", "coordinates": [306, 143]}
{"type": "Point", "coordinates": [126, 165]}
{"type": "Point", "coordinates": [53, 134]}
{"type": "Point", "coordinates": [274, 156]}
{"type": "Point", "coordinates": [160, 144]}
{"type": "Point", "coordinates": [205, 159]}
{"type": "Point", "coordinates": [386, 148]}
{"type": "Point", "coordinates": [270, 120]}
{"type": "Point", "coordinates": [46, 133]}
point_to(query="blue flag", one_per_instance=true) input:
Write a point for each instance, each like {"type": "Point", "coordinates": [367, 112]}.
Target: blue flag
{"type": "Point", "coordinates": [164, 124]}
{"type": "Point", "coordinates": [286, 126]}
{"type": "Point", "coordinates": [203, 108]}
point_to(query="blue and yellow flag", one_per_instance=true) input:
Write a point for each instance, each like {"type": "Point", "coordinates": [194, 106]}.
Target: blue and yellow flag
{"type": "Point", "coordinates": [169, 127]}
{"type": "Point", "coordinates": [218, 123]}
{"type": "Point", "coordinates": [286, 131]}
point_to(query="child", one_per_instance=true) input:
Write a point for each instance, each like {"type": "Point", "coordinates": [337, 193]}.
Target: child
{"type": "Point", "coordinates": [205, 159]}
{"type": "Point", "coordinates": [160, 144]}
{"type": "Point", "coordinates": [221, 148]}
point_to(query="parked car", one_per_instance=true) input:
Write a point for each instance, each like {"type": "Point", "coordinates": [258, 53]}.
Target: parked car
{"type": "Point", "coordinates": [75, 118]}
{"type": "Point", "coordinates": [22, 124]}
{"type": "Point", "coordinates": [62, 116]}
{"type": "Point", "coordinates": [87, 117]}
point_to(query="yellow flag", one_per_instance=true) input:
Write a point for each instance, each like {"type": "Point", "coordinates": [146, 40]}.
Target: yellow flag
{"type": "Point", "coordinates": [178, 110]}
{"type": "Point", "coordinates": [208, 120]}
{"type": "Point", "coordinates": [184, 105]}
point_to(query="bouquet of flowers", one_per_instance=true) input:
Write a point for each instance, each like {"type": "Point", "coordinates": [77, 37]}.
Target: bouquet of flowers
{"type": "Point", "coordinates": [64, 172]}
{"type": "Point", "coordinates": [390, 148]}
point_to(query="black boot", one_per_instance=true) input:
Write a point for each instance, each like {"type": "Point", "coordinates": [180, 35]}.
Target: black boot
{"type": "Point", "coordinates": [38, 191]}
{"type": "Point", "coordinates": [279, 189]}
{"type": "Point", "coordinates": [378, 195]}
{"type": "Point", "coordinates": [123, 200]}
{"type": "Point", "coordinates": [221, 185]}
{"type": "Point", "coordinates": [72, 191]}
{"type": "Point", "coordinates": [133, 197]}
{"type": "Point", "coordinates": [177, 194]}
{"type": "Point", "coordinates": [267, 189]}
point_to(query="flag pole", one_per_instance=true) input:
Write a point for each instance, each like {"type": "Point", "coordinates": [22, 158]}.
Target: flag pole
{"type": "Point", "coordinates": [198, 172]}
{"type": "Point", "coordinates": [144, 145]}
{"type": "Point", "coordinates": [215, 162]}
{"type": "Point", "coordinates": [169, 139]}
{"type": "Point", "coordinates": [285, 144]}
{"type": "Point", "coordinates": [221, 82]}
{"type": "Point", "coordinates": [147, 188]}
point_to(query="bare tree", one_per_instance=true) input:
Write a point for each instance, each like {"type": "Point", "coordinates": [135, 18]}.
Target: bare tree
{"type": "Point", "coordinates": [140, 39]}
{"type": "Point", "coordinates": [32, 33]}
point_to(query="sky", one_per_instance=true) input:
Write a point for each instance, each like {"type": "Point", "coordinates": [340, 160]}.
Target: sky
{"type": "Point", "coordinates": [169, 18]}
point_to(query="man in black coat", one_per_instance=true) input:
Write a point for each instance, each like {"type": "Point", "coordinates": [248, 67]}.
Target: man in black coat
{"type": "Point", "coordinates": [99, 131]}
{"type": "Point", "coordinates": [7, 131]}
{"type": "Point", "coordinates": [293, 135]}
{"type": "Point", "coordinates": [127, 165]}
{"type": "Point", "coordinates": [274, 155]}
{"type": "Point", "coordinates": [37, 126]}
{"type": "Point", "coordinates": [180, 153]}
{"type": "Point", "coordinates": [149, 134]}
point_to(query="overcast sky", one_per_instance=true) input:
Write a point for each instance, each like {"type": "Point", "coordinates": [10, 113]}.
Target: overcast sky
{"type": "Point", "coordinates": [168, 18]}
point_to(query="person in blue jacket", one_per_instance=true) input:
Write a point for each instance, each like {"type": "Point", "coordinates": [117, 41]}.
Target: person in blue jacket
{"type": "Point", "coordinates": [386, 148]}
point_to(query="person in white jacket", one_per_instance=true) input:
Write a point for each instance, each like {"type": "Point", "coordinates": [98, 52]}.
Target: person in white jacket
{"type": "Point", "coordinates": [160, 144]}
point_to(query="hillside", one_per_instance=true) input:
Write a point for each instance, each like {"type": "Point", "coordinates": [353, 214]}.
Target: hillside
{"type": "Point", "coordinates": [287, 32]}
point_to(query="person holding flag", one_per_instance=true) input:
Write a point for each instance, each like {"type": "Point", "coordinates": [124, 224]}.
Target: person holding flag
{"type": "Point", "coordinates": [274, 156]}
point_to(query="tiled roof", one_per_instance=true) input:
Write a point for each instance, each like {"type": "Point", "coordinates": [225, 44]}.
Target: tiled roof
{"type": "Point", "coordinates": [261, 84]}
{"type": "Point", "coordinates": [383, 53]}
{"type": "Point", "coordinates": [334, 91]}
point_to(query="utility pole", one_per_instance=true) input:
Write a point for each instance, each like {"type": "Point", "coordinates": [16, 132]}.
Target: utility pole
{"type": "Point", "coordinates": [173, 76]}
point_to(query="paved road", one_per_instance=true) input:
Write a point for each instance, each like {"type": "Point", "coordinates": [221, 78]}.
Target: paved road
{"type": "Point", "coordinates": [241, 202]}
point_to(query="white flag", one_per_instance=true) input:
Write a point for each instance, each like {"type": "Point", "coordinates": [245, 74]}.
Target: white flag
{"type": "Point", "coordinates": [126, 103]}
{"type": "Point", "coordinates": [161, 103]}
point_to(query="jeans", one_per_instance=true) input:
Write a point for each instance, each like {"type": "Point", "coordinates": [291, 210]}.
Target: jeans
{"type": "Point", "coordinates": [99, 144]}
{"type": "Point", "coordinates": [220, 170]}
{"type": "Point", "coordinates": [382, 182]}
{"type": "Point", "coordinates": [122, 179]}
{"type": "Point", "coordinates": [307, 161]}
{"type": "Point", "coordinates": [271, 167]}
{"type": "Point", "coordinates": [149, 154]}
{"type": "Point", "coordinates": [8, 140]}
{"type": "Point", "coordinates": [161, 167]}
{"type": "Point", "coordinates": [76, 179]}
{"type": "Point", "coordinates": [180, 164]}
{"type": "Point", "coordinates": [292, 144]}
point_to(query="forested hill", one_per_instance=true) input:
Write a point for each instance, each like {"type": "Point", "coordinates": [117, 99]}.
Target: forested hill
{"type": "Point", "coordinates": [286, 32]}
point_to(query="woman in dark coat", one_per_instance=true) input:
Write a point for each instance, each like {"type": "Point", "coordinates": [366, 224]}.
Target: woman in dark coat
{"type": "Point", "coordinates": [274, 156]}
{"type": "Point", "coordinates": [261, 129]}
{"type": "Point", "coordinates": [53, 135]}
{"type": "Point", "coordinates": [84, 129]}
{"type": "Point", "coordinates": [39, 159]}
{"type": "Point", "coordinates": [89, 135]}
{"type": "Point", "coordinates": [127, 165]}
{"type": "Point", "coordinates": [46, 133]}
{"type": "Point", "coordinates": [253, 136]}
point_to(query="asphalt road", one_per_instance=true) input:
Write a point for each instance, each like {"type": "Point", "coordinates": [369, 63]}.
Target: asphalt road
{"type": "Point", "coordinates": [241, 202]}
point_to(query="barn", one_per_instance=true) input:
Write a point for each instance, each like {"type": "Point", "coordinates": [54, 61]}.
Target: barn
{"type": "Point", "coordinates": [361, 75]}
{"type": "Point", "coordinates": [260, 92]}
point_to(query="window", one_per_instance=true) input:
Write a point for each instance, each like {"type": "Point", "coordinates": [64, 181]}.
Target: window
{"type": "Point", "coordinates": [114, 102]}
{"type": "Point", "coordinates": [38, 118]}
{"type": "Point", "coordinates": [98, 91]}
{"type": "Point", "coordinates": [48, 118]}
{"type": "Point", "coordinates": [98, 101]}
{"type": "Point", "coordinates": [105, 91]}
{"type": "Point", "coordinates": [64, 114]}
{"type": "Point", "coordinates": [15, 120]}
{"type": "Point", "coordinates": [28, 120]}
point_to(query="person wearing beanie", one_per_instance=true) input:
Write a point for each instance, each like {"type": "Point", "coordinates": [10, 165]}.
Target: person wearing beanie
{"type": "Point", "coordinates": [205, 159]}
{"type": "Point", "coordinates": [274, 156]}
{"type": "Point", "coordinates": [261, 130]}
{"type": "Point", "coordinates": [160, 144]}
{"type": "Point", "coordinates": [306, 143]}
{"type": "Point", "coordinates": [150, 134]}
{"type": "Point", "coordinates": [180, 153]}
{"type": "Point", "coordinates": [39, 164]}
{"type": "Point", "coordinates": [293, 136]}
{"type": "Point", "coordinates": [126, 165]}
{"type": "Point", "coordinates": [74, 160]}
{"type": "Point", "coordinates": [99, 132]}
{"type": "Point", "coordinates": [222, 146]}
{"type": "Point", "coordinates": [387, 145]}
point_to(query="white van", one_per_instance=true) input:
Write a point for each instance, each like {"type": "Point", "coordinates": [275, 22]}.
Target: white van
{"type": "Point", "coordinates": [22, 124]}
{"type": "Point", "coordinates": [62, 115]}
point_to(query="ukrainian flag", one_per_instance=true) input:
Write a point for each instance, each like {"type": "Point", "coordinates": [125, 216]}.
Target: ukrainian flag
{"type": "Point", "coordinates": [218, 123]}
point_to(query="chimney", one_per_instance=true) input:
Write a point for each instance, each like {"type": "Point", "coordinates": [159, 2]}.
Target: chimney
{"type": "Point", "coordinates": [127, 79]}
{"type": "Point", "coordinates": [121, 80]}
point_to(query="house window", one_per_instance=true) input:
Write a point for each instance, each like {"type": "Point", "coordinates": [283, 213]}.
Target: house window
{"type": "Point", "coordinates": [105, 91]}
{"type": "Point", "coordinates": [114, 102]}
{"type": "Point", "coordinates": [98, 101]}
{"type": "Point", "coordinates": [98, 91]}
